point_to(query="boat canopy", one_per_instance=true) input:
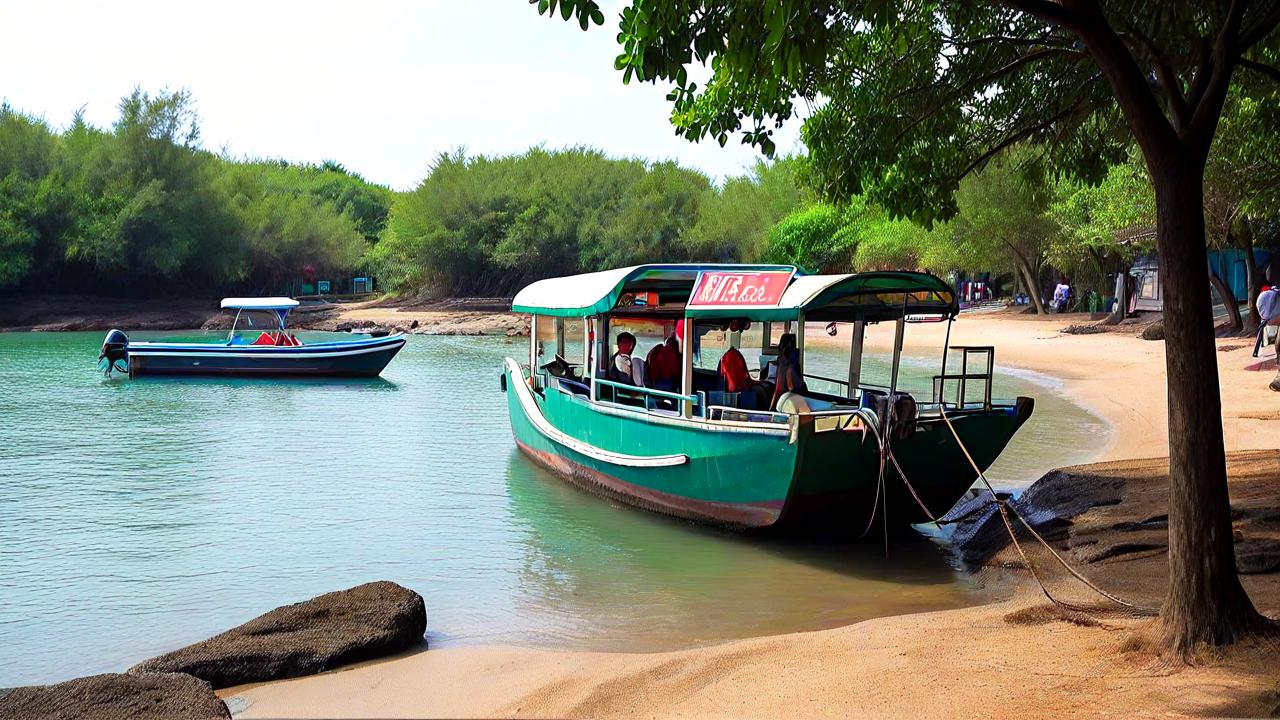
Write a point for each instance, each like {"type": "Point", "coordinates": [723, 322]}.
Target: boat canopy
{"type": "Point", "coordinates": [766, 292]}
{"type": "Point", "coordinates": [266, 303]}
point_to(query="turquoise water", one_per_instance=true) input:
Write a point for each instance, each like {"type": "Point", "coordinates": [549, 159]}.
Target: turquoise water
{"type": "Point", "coordinates": [138, 516]}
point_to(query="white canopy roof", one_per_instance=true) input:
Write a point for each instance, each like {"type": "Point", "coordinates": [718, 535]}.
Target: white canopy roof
{"type": "Point", "coordinates": [266, 303]}
{"type": "Point", "coordinates": [882, 294]}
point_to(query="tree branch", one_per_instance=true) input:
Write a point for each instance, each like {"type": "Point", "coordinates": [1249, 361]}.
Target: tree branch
{"type": "Point", "coordinates": [1016, 137]}
{"type": "Point", "coordinates": [1050, 12]}
{"type": "Point", "coordinates": [1168, 80]}
{"type": "Point", "coordinates": [1253, 35]}
{"type": "Point", "coordinates": [1206, 112]}
{"type": "Point", "coordinates": [1268, 71]}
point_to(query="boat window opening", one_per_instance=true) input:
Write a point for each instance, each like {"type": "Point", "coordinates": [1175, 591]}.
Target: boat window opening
{"type": "Point", "coordinates": [257, 327]}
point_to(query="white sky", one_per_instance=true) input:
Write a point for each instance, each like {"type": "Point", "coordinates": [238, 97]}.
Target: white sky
{"type": "Point", "coordinates": [380, 86]}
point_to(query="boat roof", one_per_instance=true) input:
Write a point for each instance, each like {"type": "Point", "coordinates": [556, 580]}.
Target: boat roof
{"type": "Point", "coordinates": [264, 303]}
{"type": "Point", "coordinates": [878, 295]}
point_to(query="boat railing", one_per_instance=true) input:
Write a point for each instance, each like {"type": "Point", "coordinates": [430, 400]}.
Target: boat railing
{"type": "Point", "coordinates": [613, 391]}
{"type": "Point", "coordinates": [842, 383]}
{"type": "Point", "coordinates": [985, 358]}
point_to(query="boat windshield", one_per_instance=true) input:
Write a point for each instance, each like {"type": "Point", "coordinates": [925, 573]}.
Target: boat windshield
{"type": "Point", "coordinates": [251, 326]}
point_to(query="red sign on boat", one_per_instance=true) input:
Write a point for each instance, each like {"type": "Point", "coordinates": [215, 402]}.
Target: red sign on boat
{"type": "Point", "coordinates": [739, 289]}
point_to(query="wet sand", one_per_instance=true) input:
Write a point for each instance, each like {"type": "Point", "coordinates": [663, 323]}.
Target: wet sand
{"type": "Point", "coordinates": [974, 661]}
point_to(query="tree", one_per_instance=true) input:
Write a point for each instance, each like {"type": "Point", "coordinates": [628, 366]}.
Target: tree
{"type": "Point", "coordinates": [1001, 219]}
{"type": "Point", "coordinates": [810, 239]}
{"type": "Point", "coordinates": [1242, 181]}
{"type": "Point", "coordinates": [734, 220]}
{"type": "Point", "coordinates": [1114, 218]}
{"type": "Point", "coordinates": [919, 95]}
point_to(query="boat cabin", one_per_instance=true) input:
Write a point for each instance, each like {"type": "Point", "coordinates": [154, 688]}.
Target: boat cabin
{"type": "Point", "coordinates": [670, 340]}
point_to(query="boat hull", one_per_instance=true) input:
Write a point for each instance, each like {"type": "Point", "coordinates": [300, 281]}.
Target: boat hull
{"type": "Point", "coordinates": [358, 358]}
{"type": "Point", "coordinates": [750, 478]}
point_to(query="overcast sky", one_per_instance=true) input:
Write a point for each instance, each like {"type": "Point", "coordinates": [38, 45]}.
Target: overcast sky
{"type": "Point", "coordinates": [382, 87]}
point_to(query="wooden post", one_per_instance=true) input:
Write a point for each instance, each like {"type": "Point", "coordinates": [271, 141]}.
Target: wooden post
{"type": "Point", "coordinates": [686, 372]}
{"type": "Point", "coordinates": [588, 355]}
{"type": "Point", "coordinates": [533, 350]}
{"type": "Point", "coordinates": [897, 357]}
{"type": "Point", "coordinates": [800, 340]}
{"type": "Point", "coordinates": [855, 355]}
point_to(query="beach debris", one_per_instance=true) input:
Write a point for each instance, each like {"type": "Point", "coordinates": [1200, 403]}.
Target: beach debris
{"type": "Point", "coordinates": [116, 695]}
{"type": "Point", "coordinates": [334, 629]}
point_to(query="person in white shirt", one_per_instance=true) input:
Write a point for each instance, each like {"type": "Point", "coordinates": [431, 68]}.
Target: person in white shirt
{"type": "Point", "coordinates": [1060, 295]}
{"type": "Point", "coordinates": [1269, 310]}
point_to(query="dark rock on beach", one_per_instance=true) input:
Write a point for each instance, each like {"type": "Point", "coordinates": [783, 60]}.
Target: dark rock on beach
{"type": "Point", "coordinates": [116, 696]}
{"type": "Point", "coordinates": [1111, 520]}
{"type": "Point", "coordinates": [334, 629]}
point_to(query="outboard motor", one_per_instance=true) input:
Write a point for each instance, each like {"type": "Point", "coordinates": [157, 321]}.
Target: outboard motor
{"type": "Point", "coordinates": [114, 351]}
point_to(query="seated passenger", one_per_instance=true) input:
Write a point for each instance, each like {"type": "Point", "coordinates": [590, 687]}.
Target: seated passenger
{"type": "Point", "coordinates": [733, 373]}
{"type": "Point", "coordinates": [628, 370]}
{"type": "Point", "coordinates": [614, 371]}
{"type": "Point", "coordinates": [790, 378]}
{"type": "Point", "coordinates": [664, 366]}
{"type": "Point", "coordinates": [788, 340]}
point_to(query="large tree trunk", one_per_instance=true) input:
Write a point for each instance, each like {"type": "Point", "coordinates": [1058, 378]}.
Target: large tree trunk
{"type": "Point", "coordinates": [1252, 320]}
{"type": "Point", "coordinates": [1228, 301]}
{"type": "Point", "coordinates": [1032, 282]}
{"type": "Point", "coordinates": [1205, 602]}
{"type": "Point", "coordinates": [1122, 297]}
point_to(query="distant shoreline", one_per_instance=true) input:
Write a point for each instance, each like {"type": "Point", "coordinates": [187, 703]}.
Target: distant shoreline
{"type": "Point", "coordinates": [454, 316]}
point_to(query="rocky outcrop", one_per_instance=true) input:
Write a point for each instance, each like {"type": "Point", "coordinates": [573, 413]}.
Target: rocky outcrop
{"type": "Point", "coordinates": [116, 697]}
{"type": "Point", "coordinates": [337, 628]}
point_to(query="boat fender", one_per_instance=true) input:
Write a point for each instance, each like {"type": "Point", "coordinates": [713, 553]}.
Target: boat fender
{"type": "Point", "coordinates": [502, 382]}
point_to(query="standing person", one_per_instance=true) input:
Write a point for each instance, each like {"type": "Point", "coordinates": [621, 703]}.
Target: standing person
{"type": "Point", "coordinates": [1060, 296]}
{"type": "Point", "coordinates": [1269, 310]}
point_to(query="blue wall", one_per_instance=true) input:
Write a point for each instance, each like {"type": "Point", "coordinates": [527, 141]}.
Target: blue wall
{"type": "Point", "coordinates": [1229, 265]}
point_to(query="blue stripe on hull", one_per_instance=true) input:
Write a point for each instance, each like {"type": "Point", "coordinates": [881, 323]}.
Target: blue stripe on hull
{"type": "Point", "coordinates": [361, 362]}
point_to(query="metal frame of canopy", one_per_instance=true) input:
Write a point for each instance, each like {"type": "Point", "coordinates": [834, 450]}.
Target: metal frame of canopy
{"type": "Point", "coordinates": [859, 298]}
{"type": "Point", "coordinates": [279, 305]}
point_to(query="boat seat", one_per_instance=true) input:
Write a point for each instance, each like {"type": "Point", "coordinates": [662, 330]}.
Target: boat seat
{"type": "Point", "coordinates": [265, 339]}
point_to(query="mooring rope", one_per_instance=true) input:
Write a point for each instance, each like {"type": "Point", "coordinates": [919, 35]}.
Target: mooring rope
{"type": "Point", "coordinates": [1005, 509]}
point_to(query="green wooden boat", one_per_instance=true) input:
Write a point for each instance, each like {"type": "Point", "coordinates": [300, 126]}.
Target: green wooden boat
{"type": "Point", "coordinates": [669, 435]}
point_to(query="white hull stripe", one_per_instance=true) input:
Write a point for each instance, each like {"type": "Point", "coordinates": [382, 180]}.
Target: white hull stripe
{"type": "Point", "coordinates": [534, 413]}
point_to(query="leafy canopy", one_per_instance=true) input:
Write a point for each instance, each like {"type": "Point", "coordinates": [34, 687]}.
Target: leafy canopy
{"type": "Point", "coordinates": [911, 97]}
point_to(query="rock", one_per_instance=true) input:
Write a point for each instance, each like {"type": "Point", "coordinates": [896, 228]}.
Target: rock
{"type": "Point", "coordinates": [1258, 556]}
{"type": "Point", "coordinates": [1096, 551]}
{"type": "Point", "coordinates": [115, 695]}
{"type": "Point", "coordinates": [1154, 331]}
{"type": "Point", "coordinates": [364, 622]}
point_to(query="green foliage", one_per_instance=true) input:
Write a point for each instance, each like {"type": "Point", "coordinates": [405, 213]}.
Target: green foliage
{"type": "Point", "coordinates": [808, 238]}
{"type": "Point", "coordinates": [734, 220]}
{"type": "Point", "coordinates": [1116, 217]}
{"type": "Point", "coordinates": [487, 226]}
{"type": "Point", "coordinates": [141, 208]}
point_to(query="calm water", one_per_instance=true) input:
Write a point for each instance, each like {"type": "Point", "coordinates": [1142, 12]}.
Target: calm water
{"type": "Point", "coordinates": [138, 516]}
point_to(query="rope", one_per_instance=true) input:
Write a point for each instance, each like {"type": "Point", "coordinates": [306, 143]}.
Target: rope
{"type": "Point", "coordinates": [1005, 509]}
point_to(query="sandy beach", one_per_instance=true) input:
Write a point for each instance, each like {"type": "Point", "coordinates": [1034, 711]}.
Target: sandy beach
{"type": "Point", "coordinates": [970, 662]}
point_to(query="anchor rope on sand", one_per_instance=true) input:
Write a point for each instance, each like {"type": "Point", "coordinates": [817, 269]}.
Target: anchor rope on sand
{"type": "Point", "coordinates": [1004, 509]}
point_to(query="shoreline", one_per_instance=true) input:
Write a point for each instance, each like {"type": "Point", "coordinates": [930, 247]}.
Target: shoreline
{"type": "Point", "coordinates": [917, 665]}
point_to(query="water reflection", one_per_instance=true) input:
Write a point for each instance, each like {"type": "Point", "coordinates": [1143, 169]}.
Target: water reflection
{"type": "Point", "coordinates": [612, 577]}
